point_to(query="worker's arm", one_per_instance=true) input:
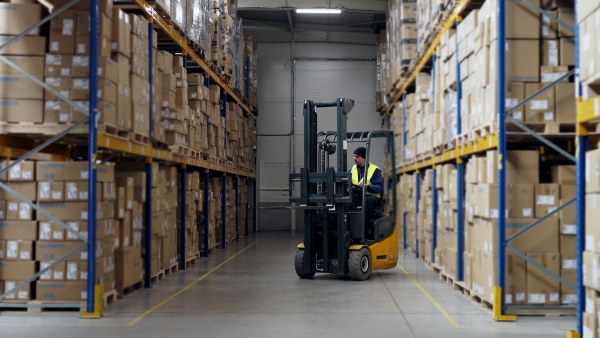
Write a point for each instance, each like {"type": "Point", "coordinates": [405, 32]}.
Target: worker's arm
{"type": "Point", "coordinates": [377, 183]}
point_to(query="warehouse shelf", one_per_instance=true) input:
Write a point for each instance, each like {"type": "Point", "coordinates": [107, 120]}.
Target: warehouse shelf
{"type": "Point", "coordinates": [497, 139]}
{"type": "Point", "coordinates": [588, 111]}
{"type": "Point", "coordinates": [23, 148]}
{"type": "Point", "coordinates": [422, 60]}
{"type": "Point", "coordinates": [159, 21]}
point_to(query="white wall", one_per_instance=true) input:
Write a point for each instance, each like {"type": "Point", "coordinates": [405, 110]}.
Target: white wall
{"type": "Point", "coordinates": [317, 80]}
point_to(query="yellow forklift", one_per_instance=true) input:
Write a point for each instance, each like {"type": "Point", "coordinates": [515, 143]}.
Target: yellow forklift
{"type": "Point", "coordinates": [339, 238]}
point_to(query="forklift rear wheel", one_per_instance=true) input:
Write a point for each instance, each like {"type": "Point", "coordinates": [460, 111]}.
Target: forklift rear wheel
{"type": "Point", "coordinates": [359, 264]}
{"type": "Point", "coordinates": [299, 265]}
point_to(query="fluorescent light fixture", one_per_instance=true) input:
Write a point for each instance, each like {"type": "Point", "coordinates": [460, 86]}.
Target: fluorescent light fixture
{"type": "Point", "coordinates": [318, 11]}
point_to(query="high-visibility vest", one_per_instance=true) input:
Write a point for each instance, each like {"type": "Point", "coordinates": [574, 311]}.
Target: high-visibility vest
{"type": "Point", "coordinates": [370, 173]}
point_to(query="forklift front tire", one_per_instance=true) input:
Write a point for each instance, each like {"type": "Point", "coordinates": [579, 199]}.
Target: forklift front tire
{"type": "Point", "coordinates": [359, 264]}
{"type": "Point", "coordinates": [299, 265]}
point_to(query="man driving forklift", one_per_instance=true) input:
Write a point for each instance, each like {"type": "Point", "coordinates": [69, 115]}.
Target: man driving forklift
{"type": "Point", "coordinates": [374, 185]}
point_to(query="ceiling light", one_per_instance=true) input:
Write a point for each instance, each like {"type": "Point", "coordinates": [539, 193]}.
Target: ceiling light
{"type": "Point", "coordinates": [318, 11]}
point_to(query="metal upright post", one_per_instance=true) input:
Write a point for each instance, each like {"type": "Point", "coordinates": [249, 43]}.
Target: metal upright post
{"type": "Point", "coordinates": [206, 213]}
{"type": "Point", "coordinates": [148, 227]}
{"type": "Point", "coordinates": [151, 80]}
{"type": "Point", "coordinates": [460, 224]}
{"type": "Point", "coordinates": [247, 204]}
{"type": "Point", "coordinates": [404, 128]}
{"type": "Point", "coordinates": [224, 211]}
{"type": "Point", "coordinates": [254, 216]}
{"type": "Point", "coordinates": [435, 212]}
{"type": "Point", "coordinates": [418, 198]}
{"type": "Point", "coordinates": [93, 103]}
{"type": "Point", "coordinates": [458, 86]}
{"type": "Point", "coordinates": [499, 291]}
{"type": "Point", "coordinates": [182, 216]}
{"type": "Point", "coordinates": [224, 114]}
{"type": "Point", "coordinates": [237, 207]}
{"type": "Point", "coordinates": [582, 146]}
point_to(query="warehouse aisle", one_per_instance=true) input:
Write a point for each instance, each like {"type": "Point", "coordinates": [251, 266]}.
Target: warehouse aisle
{"type": "Point", "coordinates": [251, 290]}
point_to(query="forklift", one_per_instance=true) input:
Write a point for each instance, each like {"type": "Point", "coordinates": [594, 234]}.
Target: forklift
{"type": "Point", "coordinates": [339, 238]}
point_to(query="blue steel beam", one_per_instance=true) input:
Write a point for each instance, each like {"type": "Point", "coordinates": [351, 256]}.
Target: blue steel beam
{"type": "Point", "coordinates": [247, 204]}
{"type": "Point", "coordinates": [501, 151]}
{"type": "Point", "coordinates": [148, 227]}
{"type": "Point", "coordinates": [404, 230]}
{"type": "Point", "coordinates": [92, 148]}
{"type": "Point", "coordinates": [582, 146]}
{"type": "Point", "coordinates": [434, 217]}
{"type": "Point", "coordinates": [224, 211]}
{"type": "Point", "coordinates": [182, 216]}
{"type": "Point", "coordinates": [237, 207]}
{"type": "Point", "coordinates": [254, 216]}
{"type": "Point", "coordinates": [418, 198]}
{"type": "Point", "coordinates": [460, 224]}
{"type": "Point", "coordinates": [206, 212]}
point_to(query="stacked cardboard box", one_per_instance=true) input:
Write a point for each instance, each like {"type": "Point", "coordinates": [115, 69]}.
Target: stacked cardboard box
{"type": "Point", "coordinates": [214, 202]}
{"type": "Point", "coordinates": [194, 205]}
{"type": "Point", "coordinates": [174, 118]}
{"type": "Point", "coordinates": [400, 40]}
{"type": "Point", "coordinates": [198, 95]}
{"type": "Point", "coordinates": [382, 71]}
{"type": "Point", "coordinates": [588, 15]}
{"type": "Point", "coordinates": [407, 202]}
{"type": "Point", "coordinates": [21, 100]}
{"type": "Point", "coordinates": [592, 244]}
{"type": "Point", "coordinates": [551, 243]}
{"type": "Point", "coordinates": [251, 53]}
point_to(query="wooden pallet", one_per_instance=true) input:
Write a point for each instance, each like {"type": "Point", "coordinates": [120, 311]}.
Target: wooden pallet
{"type": "Point", "coordinates": [172, 269]}
{"type": "Point", "coordinates": [43, 129]}
{"type": "Point", "coordinates": [446, 277]}
{"type": "Point", "coordinates": [38, 306]}
{"type": "Point", "coordinates": [160, 275]}
{"type": "Point", "coordinates": [482, 131]}
{"type": "Point", "coordinates": [110, 297]}
{"type": "Point", "coordinates": [139, 138]}
{"type": "Point", "coordinates": [543, 128]}
{"type": "Point", "coordinates": [192, 260]}
{"type": "Point", "coordinates": [160, 145]}
{"type": "Point", "coordinates": [180, 150]}
{"type": "Point", "coordinates": [130, 289]}
{"type": "Point", "coordinates": [542, 312]}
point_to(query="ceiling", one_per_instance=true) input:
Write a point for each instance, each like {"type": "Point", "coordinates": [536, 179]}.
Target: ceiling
{"type": "Point", "coordinates": [277, 20]}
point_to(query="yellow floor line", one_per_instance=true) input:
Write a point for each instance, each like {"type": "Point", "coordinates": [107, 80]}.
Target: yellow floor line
{"type": "Point", "coordinates": [453, 322]}
{"type": "Point", "coordinates": [437, 305]}
{"type": "Point", "coordinates": [133, 322]}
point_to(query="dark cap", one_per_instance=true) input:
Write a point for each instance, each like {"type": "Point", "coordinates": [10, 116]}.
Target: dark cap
{"type": "Point", "coordinates": [361, 151]}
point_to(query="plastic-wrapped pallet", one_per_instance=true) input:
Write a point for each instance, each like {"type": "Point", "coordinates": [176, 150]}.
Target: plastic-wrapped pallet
{"type": "Point", "coordinates": [165, 5]}
{"type": "Point", "coordinates": [198, 23]}
{"type": "Point", "coordinates": [177, 12]}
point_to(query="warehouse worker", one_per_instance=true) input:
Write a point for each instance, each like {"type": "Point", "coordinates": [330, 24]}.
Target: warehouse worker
{"type": "Point", "coordinates": [374, 185]}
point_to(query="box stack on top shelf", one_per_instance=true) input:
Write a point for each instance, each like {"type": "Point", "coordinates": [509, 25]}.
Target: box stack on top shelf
{"type": "Point", "coordinates": [382, 71]}
{"type": "Point", "coordinates": [252, 54]}
{"type": "Point", "coordinates": [588, 15]}
{"type": "Point", "coordinates": [401, 40]}
{"type": "Point", "coordinates": [429, 15]}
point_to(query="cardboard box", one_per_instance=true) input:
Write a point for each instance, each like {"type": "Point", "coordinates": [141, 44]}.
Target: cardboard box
{"type": "Point", "coordinates": [516, 280]}
{"type": "Point", "coordinates": [592, 231]}
{"type": "Point", "coordinates": [72, 171]}
{"type": "Point", "coordinates": [563, 174]}
{"type": "Point", "coordinates": [26, 189]}
{"type": "Point", "coordinates": [542, 238]}
{"type": "Point", "coordinates": [541, 109]}
{"type": "Point", "coordinates": [47, 251]}
{"type": "Point", "coordinates": [549, 29]}
{"type": "Point", "coordinates": [128, 266]}
{"type": "Point", "coordinates": [591, 270]}
{"type": "Point", "coordinates": [19, 250]}
{"type": "Point", "coordinates": [62, 42]}
{"type": "Point", "coordinates": [121, 31]}
{"type": "Point", "coordinates": [592, 171]}
{"type": "Point", "coordinates": [568, 295]}
{"type": "Point", "coordinates": [520, 201]}
{"type": "Point", "coordinates": [20, 87]}
{"type": "Point", "coordinates": [14, 110]}
{"type": "Point", "coordinates": [24, 293]}
{"type": "Point", "coordinates": [27, 45]}
{"type": "Point", "coordinates": [18, 230]}
{"type": "Point", "coordinates": [522, 166]}
{"type": "Point", "coordinates": [18, 211]}
{"type": "Point", "coordinates": [542, 288]}
{"type": "Point", "coordinates": [17, 17]}
{"type": "Point", "coordinates": [10, 270]}
{"type": "Point", "coordinates": [568, 221]}
{"type": "Point", "coordinates": [69, 211]}
{"type": "Point", "coordinates": [550, 53]}
{"type": "Point", "coordinates": [547, 198]}
{"type": "Point", "coordinates": [587, 47]}
{"type": "Point", "coordinates": [520, 67]}
{"type": "Point", "coordinates": [56, 273]}
{"type": "Point", "coordinates": [565, 102]}
{"type": "Point", "coordinates": [61, 291]}
{"type": "Point", "coordinates": [515, 94]}
{"type": "Point", "coordinates": [522, 21]}
{"type": "Point", "coordinates": [49, 231]}
{"type": "Point", "coordinates": [33, 65]}
{"type": "Point", "coordinates": [566, 15]}
{"type": "Point", "coordinates": [50, 191]}
{"type": "Point", "coordinates": [566, 51]}
{"type": "Point", "coordinates": [568, 249]}
{"type": "Point", "coordinates": [492, 167]}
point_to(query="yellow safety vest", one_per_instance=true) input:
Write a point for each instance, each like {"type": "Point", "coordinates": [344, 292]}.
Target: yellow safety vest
{"type": "Point", "coordinates": [370, 173]}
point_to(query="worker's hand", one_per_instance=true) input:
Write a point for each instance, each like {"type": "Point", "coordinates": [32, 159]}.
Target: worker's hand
{"type": "Point", "coordinates": [361, 184]}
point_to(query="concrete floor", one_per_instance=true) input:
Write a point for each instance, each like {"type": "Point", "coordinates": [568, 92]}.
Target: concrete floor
{"type": "Point", "coordinates": [251, 290]}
